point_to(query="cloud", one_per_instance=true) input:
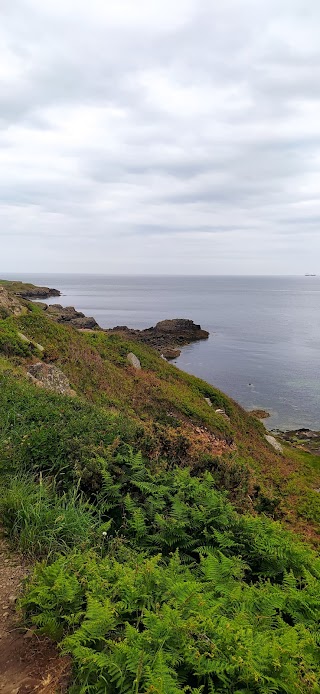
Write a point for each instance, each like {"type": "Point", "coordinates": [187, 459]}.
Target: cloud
{"type": "Point", "coordinates": [156, 136]}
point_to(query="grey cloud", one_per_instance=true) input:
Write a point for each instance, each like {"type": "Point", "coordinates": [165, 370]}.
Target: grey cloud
{"type": "Point", "coordinates": [193, 118]}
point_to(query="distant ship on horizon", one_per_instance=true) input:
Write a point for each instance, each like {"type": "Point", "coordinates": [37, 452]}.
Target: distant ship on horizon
{"type": "Point", "coordinates": [310, 274]}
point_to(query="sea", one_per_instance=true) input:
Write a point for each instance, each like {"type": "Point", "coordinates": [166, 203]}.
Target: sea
{"type": "Point", "coordinates": [264, 344]}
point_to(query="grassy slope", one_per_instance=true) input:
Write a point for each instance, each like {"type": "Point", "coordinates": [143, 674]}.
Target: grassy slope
{"type": "Point", "coordinates": [167, 417]}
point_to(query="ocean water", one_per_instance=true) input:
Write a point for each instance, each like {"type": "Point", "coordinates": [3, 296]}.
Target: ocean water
{"type": "Point", "coordinates": [264, 344]}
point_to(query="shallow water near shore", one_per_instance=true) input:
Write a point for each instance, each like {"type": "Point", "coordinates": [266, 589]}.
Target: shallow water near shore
{"type": "Point", "coordinates": [264, 344]}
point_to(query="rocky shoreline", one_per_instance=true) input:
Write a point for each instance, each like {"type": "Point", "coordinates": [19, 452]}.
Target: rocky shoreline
{"type": "Point", "coordinates": [304, 438]}
{"type": "Point", "coordinates": [26, 290]}
{"type": "Point", "coordinates": [167, 336]}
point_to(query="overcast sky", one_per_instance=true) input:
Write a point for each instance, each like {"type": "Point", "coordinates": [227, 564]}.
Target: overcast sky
{"type": "Point", "coordinates": [165, 136]}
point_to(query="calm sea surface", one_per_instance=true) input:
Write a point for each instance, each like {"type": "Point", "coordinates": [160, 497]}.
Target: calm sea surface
{"type": "Point", "coordinates": [264, 345]}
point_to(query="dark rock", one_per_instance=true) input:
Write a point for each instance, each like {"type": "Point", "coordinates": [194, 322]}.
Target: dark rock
{"type": "Point", "coordinates": [69, 316]}
{"type": "Point", "coordinates": [179, 326]}
{"type": "Point", "coordinates": [166, 335]}
{"type": "Point", "coordinates": [85, 323]}
{"type": "Point", "coordinates": [37, 292]}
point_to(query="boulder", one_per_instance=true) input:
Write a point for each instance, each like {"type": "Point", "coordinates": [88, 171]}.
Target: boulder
{"type": "Point", "coordinates": [259, 414]}
{"type": "Point", "coordinates": [133, 360]}
{"type": "Point", "coordinates": [51, 377]}
{"type": "Point", "coordinates": [222, 412]}
{"type": "Point", "coordinates": [274, 443]}
{"type": "Point", "coordinates": [171, 353]}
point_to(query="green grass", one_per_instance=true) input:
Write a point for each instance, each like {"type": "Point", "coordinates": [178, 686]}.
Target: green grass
{"type": "Point", "coordinates": [42, 524]}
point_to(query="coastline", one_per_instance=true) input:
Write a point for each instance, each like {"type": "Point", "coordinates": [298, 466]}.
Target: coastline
{"type": "Point", "coordinates": [170, 345]}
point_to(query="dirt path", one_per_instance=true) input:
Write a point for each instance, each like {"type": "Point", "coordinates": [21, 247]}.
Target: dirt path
{"type": "Point", "coordinates": [27, 663]}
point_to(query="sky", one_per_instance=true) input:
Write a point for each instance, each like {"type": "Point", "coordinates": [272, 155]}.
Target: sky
{"type": "Point", "coordinates": [160, 136]}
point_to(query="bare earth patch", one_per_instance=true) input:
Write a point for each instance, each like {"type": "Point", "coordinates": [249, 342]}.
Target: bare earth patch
{"type": "Point", "coordinates": [28, 663]}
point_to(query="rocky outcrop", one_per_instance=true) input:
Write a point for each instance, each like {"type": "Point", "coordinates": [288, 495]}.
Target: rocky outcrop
{"type": "Point", "coordinates": [10, 305]}
{"type": "Point", "coordinates": [171, 353]}
{"type": "Point", "coordinates": [68, 315]}
{"type": "Point", "coordinates": [29, 291]}
{"type": "Point", "coordinates": [181, 329]}
{"type": "Point", "coordinates": [166, 336]}
{"type": "Point", "coordinates": [38, 292]}
{"type": "Point", "coordinates": [49, 376]}
{"type": "Point", "coordinates": [259, 414]}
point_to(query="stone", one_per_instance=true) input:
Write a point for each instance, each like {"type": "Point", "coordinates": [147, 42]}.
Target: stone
{"type": "Point", "coordinates": [178, 325]}
{"type": "Point", "coordinates": [208, 401]}
{"type": "Point", "coordinates": [10, 304]}
{"type": "Point", "coordinates": [133, 360]}
{"type": "Point", "coordinates": [222, 412]}
{"type": "Point", "coordinates": [274, 443]}
{"type": "Point", "coordinates": [259, 414]}
{"type": "Point", "coordinates": [24, 338]}
{"type": "Point", "coordinates": [39, 347]}
{"type": "Point", "coordinates": [69, 316]}
{"type": "Point", "coordinates": [51, 377]}
{"type": "Point", "coordinates": [171, 353]}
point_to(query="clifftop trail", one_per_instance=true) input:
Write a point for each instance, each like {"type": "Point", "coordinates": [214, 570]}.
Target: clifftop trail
{"type": "Point", "coordinates": [27, 663]}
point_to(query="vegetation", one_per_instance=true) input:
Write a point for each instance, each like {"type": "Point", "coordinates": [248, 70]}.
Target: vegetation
{"type": "Point", "coordinates": [157, 524]}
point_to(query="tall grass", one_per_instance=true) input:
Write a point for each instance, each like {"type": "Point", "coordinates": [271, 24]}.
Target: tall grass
{"type": "Point", "coordinates": [43, 524]}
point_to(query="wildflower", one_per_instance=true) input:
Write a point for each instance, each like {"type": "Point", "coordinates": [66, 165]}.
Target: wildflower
{"type": "Point", "coordinates": [104, 534]}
